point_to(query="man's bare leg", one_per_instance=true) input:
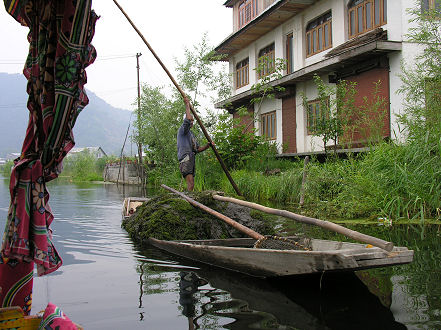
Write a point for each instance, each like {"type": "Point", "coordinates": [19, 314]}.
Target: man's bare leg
{"type": "Point", "coordinates": [190, 182]}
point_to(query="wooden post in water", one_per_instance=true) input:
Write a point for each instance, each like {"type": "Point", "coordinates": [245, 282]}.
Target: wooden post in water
{"type": "Point", "coordinates": [139, 169]}
{"type": "Point", "coordinates": [302, 188]}
{"type": "Point", "coordinates": [124, 170]}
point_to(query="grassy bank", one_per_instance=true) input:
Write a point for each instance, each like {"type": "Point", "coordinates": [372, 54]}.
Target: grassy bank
{"type": "Point", "coordinates": [394, 182]}
{"type": "Point", "coordinates": [79, 167]}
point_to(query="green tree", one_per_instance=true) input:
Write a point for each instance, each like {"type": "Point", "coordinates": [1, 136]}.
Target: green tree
{"type": "Point", "coordinates": [235, 142]}
{"type": "Point", "coordinates": [160, 115]}
{"type": "Point", "coordinates": [200, 73]}
{"type": "Point", "coordinates": [157, 124]}
{"type": "Point", "coordinates": [421, 79]}
{"type": "Point", "coordinates": [84, 166]}
{"type": "Point", "coordinates": [336, 111]}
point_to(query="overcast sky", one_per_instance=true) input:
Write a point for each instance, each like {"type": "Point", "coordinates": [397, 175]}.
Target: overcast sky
{"type": "Point", "coordinates": [168, 26]}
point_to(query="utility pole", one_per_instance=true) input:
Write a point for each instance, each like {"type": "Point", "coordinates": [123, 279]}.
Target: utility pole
{"type": "Point", "coordinates": [141, 170]}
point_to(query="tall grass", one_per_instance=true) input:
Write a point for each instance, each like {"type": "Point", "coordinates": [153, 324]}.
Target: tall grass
{"type": "Point", "coordinates": [255, 185]}
{"type": "Point", "coordinates": [393, 181]}
{"type": "Point", "coordinates": [408, 179]}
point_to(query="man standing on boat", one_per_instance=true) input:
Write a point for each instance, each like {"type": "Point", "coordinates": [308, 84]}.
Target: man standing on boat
{"type": "Point", "coordinates": [188, 147]}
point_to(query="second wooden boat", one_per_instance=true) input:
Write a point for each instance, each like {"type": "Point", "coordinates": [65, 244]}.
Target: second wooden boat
{"type": "Point", "coordinates": [130, 205]}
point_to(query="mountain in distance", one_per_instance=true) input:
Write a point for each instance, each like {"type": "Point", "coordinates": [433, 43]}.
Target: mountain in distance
{"type": "Point", "coordinates": [98, 125]}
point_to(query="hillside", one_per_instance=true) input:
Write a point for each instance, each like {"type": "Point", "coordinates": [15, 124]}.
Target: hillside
{"type": "Point", "coordinates": [99, 124]}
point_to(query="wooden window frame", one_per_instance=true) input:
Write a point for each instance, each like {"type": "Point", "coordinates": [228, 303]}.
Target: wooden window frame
{"type": "Point", "coordinates": [247, 10]}
{"type": "Point", "coordinates": [266, 60]}
{"type": "Point", "coordinates": [316, 28]}
{"type": "Point", "coordinates": [355, 27]}
{"type": "Point", "coordinates": [269, 125]}
{"type": "Point", "coordinates": [289, 53]}
{"type": "Point", "coordinates": [242, 73]}
{"type": "Point", "coordinates": [313, 115]}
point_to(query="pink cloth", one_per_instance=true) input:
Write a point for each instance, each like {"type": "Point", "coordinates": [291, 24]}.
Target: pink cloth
{"type": "Point", "coordinates": [54, 318]}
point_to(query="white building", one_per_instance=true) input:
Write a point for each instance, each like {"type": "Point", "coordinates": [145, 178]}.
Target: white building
{"type": "Point", "coordinates": [95, 151]}
{"type": "Point", "coordinates": [362, 41]}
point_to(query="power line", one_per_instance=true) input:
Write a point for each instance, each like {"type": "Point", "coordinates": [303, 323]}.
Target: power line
{"type": "Point", "coordinates": [113, 57]}
{"type": "Point", "coordinates": [14, 106]}
{"type": "Point", "coordinates": [99, 58]}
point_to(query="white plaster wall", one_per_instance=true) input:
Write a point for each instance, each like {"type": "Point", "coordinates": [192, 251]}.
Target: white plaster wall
{"type": "Point", "coordinates": [394, 21]}
{"type": "Point", "coordinates": [397, 26]}
{"type": "Point", "coordinates": [279, 43]}
{"type": "Point", "coordinates": [231, 66]}
{"type": "Point", "coordinates": [301, 132]}
{"type": "Point", "coordinates": [395, 98]}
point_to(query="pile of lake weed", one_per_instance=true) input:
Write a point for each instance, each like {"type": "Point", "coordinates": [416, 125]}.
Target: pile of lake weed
{"type": "Point", "coordinates": [169, 217]}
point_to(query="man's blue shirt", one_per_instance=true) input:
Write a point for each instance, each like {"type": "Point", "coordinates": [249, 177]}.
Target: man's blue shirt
{"type": "Point", "coordinates": [186, 140]}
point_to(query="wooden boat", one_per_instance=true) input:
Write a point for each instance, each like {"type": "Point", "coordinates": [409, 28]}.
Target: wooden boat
{"type": "Point", "coordinates": [130, 205]}
{"type": "Point", "coordinates": [238, 255]}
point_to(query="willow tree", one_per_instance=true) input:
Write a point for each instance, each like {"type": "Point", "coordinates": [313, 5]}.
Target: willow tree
{"type": "Point", "coordinates": [421, 80]}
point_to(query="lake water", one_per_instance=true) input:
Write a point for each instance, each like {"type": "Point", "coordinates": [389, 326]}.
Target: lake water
{"type": "Point", "coordinates": [108, 283]}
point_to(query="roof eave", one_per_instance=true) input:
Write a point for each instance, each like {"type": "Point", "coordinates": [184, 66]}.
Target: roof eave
{"type": "Point", "coordinates": [278, 13]}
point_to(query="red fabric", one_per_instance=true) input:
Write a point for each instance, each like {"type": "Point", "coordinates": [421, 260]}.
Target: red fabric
{"type": "Point", "coordinates": [60, 32]}
{"type": "Point", "coordinates": [28, 236]}
{"type": "Point", "coordinates": [16, 280]}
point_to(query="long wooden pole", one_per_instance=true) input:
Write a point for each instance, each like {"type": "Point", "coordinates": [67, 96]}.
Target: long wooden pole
{"type": "Point", "coordinates": [388, 246]}
{"type": "Point", "coordinates": [236, 188]}
{"type": "Point", "coordinates": [224, 218]}
{"type": "Point", "coordinates": [140, 165]}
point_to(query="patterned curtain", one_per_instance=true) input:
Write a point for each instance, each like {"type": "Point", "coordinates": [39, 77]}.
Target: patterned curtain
{"type": "Point", "coordinates": [60, 34]}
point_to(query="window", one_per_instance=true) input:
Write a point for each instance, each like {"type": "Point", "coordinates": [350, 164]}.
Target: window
{"type": "Point", "coordinates": [365, 15]}
{"type": "Point", "coordinates": [319, 34]}
{"type": "Point", "coordinates": [314, 114]}
{"type": "Point", "coordinates": [247, 11]}
{"type": "Point", "coordinates": [266, 61]}
{"type": "Point", "coordinates": [242, 75]}
{"type": "Point", "coordinates": [268, 121]}
{"type": "Point", "coordinates": [289, 54]}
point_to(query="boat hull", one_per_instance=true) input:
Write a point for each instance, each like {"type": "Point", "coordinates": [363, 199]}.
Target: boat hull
{"type": "Point", "coordinates": [240, 256]}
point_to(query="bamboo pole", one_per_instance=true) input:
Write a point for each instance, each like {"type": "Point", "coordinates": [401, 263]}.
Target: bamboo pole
{"type": "Point", "coordinates": [224, 218]}
{"type": "Point", "coordinates": [388, 246]}
{"type": "Point", "coordinates": [236, 188]}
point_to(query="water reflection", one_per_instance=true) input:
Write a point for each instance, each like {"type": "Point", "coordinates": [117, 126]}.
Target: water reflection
{"type": "Point", "coordinates": [212, 298]}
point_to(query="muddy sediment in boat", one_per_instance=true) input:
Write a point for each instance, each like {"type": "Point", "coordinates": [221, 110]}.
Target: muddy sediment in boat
{"type": "Point", "coordinates": [169, 217]}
